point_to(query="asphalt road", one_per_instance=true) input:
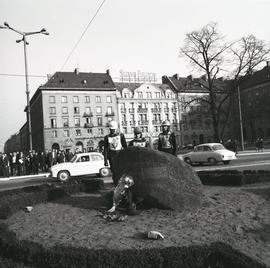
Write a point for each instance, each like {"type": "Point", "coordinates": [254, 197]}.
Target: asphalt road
{"type": "Point", "coordinates": [249, 161]}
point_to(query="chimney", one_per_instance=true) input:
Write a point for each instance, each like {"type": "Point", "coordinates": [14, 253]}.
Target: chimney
{"type": "Point", "coordinates": [268, 63]}
{"type": "Point", "coordinates": [176, 76]}
{"type": "Point", "coordinates": [108, 71]}
{"type": "Point", "coordinates": [76, 71]}
{"type": "Point", "coordinates": [190, 77]}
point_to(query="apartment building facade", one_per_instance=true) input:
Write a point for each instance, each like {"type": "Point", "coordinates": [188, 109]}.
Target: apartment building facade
{"type": "Point", "coordinates": [146, 105]}
{"type": "Point", "coordinates": [72, 110]}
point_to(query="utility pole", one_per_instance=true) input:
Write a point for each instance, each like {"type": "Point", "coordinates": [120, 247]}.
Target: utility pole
{"type": "Point", "coordinates": [24, 34]}
{"type": "Point", "coordinates": [240, 118]}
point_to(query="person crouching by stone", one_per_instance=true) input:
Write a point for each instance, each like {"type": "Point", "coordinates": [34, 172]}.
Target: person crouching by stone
{"type": "Point", "coordinates": [167, 140]}
{"type": "Point", "coordinates": [139, 140]}
{"type": "Point", "coordinates": [122, 195]}
{"type": "Point", "coordinates": [114, 142]}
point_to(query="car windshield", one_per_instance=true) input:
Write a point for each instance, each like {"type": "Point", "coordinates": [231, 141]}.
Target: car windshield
{"type": "Point", "coordinates": [218, 147]}
{"type": "Point", "coordinates": [73, 159]}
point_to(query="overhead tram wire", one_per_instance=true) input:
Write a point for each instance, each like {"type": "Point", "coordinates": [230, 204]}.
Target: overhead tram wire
{"type": "Point", "coordinates": [23, 75]}
{"type": "Point", "coordinates": [82, 35]}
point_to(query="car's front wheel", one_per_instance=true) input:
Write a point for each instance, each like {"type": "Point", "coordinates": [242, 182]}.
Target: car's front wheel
{"type": "Point", "coordinates": [104, 172]}
{"type": "Point", "coordinates": [63, 175]}
{"type": "Point", "coordinates": [188, 160]}
{"type": "Point", "coordinates": [226, 162]}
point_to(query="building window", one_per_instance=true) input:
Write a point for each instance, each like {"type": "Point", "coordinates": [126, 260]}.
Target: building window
{"type": "Point", "coordinates": [98, 99]}
{"type": "Point", "coordinates": [157, 95]}
{"type": "Point", "coordinates": [77, 122]}
{"type": "Point", "coordinates": [64, 99]}
{"type": "Point", "coordinates": [64, 110]}
{"type": "Point", "coordinates": [99, 121]}
{"type": "Point", "coordinates": [132, 117]}
{"type": "Point", "coordinates": [53, 122]}
{"type": "Point", "coordinates": [86, 99]}
{"type": "Point", "coordinates": [99, 111]}
{"type": "Point", "coordinates": [156, 128]}
{"type": "Point", "coordinates": [52, 110]}
{"type": "Point", "coordinates": [149, 95]}
{"type": "Point", "coordinates": [140, 95]}
{"type": "Point", "coordinates": [125, 130]}
{"type": "Point", "coordinates": [167, 117]}
{"type": "Point", "coordinates": [52, 99]}
{"type": "Point", "coordinates": [76, 99]}
{"type": "Point", "coordinates": [66, 133]}
{"type": "Point", "coordinates": [78, 132]}
{"type": "Point", "coordinates": [109, 99]}
{"type": "Point", "coordinates": [88, 120]}
{"type": "Point", "coordinates": [54, 134]}
{"type": "Point", "coordinates": [76, 110]}
{"type": "Point", "coordinates": [109, 110]}
{"type": "Point", "coordinates": [65, 122]}
{"type": "Point", "coordinates": [89, 131]}
{"type": "Point", "coordinates": [100, 131]}
{"type": "Point", "coordinates": [145, 129]}
{"type": "Point", "coordinates": [88, 110]}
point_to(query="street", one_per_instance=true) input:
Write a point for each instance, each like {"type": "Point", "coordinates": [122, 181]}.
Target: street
{"type": "Point", "coordinates": [245, 161]}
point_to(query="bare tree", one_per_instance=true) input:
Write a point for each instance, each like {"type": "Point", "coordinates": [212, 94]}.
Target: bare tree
{"type": "Point", "coordinates": [205, 51]}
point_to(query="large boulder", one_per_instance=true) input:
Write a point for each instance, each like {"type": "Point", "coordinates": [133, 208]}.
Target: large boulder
{"type": "Point", "coordinates": [162, 180]}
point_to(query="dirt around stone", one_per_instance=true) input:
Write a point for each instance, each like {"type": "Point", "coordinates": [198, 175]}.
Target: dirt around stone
{"type": "Point", "coordinates": [239, 217]}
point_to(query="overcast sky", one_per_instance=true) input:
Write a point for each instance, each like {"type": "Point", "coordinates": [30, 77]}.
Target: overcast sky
{"type": "Point", "coordinates": [126, 35]}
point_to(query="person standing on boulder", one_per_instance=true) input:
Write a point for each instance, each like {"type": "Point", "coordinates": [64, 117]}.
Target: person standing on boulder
{"type": "Point", "coordinates": [114, 142]}
{"type": "Point", "coordinates": [139, 140]}
{"type": "Point", "coordinates": [166, 139]}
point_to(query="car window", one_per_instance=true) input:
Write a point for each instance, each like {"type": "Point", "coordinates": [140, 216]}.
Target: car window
{"type": "Point", "coordinates": [84, 158]}
{"type": "Point", "coordinates": [206, 148]}
{"type": "Point", "coordinates": [218, 147]}
{"type": "Point", "coordinates": [73, 159]}
{"type": "Point", "coordinates": [96, 157]}
{"type": "Point", "coordinates": [199, 148]}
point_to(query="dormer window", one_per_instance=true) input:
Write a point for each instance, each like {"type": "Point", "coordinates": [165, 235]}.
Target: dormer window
{"type": "Point", "coordinates": [84, 81]}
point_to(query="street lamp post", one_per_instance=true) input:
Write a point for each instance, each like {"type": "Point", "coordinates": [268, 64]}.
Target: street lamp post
{"type": "Point", "coordinates": [24, 34]}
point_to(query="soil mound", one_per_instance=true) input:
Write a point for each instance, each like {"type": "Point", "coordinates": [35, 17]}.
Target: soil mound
{"type": "Point", "coordinates": [162, 180]}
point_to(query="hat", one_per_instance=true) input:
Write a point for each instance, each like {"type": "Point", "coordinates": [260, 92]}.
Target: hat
{"type": "Point", "coordinates": [166, 123]}
{"type": "Point", "coordinates": [113, 125]}
{"type": "Point", "coordinates": [137, 130]}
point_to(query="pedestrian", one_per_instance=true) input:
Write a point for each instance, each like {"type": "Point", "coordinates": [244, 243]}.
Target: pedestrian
{"type": "Point", "coordinates": [114, 142]}
{"type": "Point", "coordinates": [167, 140]}
{"type": "Point", "coordinates": [42, 161]}
{"type": "Point", "coordinates": [235, 146]}
{"type": "Point", "coordinates": [139, 140]}
{"type": "Point", "coordinates": [228, 144]}
{"type": "Point", "coordinates": [13, 165]}
{"type": "Point", "coordinates": [5, 165]}
{"type": "Point", "coordinates": [257, 144]}
{"type": "Point", "coordinates": [261, 144]}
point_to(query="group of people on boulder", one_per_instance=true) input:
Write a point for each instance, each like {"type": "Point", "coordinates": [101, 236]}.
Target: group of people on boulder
{"type": "Point", "coordinates": [114, 142]}
{"type": "Point", "coordinates": [32, 162]}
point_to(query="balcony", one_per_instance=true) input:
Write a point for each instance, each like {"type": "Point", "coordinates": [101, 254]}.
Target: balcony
{"type": "Point", "coordinates": [110, 114]}
{"type": "Point", "coordinates": [142, 110]}
{"type": "Point", "coordinates": [123, 110]}
{"type": "Point", "coordinates": [131, 110]}
{"type": "Point", "coordinates": [132, 122]}
{"type": "Point", "coordinates": [156, 122]}
{"type": "Point", "coordinates": [156, 110]}
{"type": "Point", "coordinates": [88, 125]}
{"type": "Point", "coordinates": [124, 123]}
{"type": "Point", "coordinates": [88, 114]}
{"type": "Point", "coordinates": [143, 123]}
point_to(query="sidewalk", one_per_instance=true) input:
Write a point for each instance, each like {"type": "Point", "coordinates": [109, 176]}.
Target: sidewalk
{"type": "Point", "coordinates": [24, 177]}
{"type": "Point", "coordinates": [253, 152]}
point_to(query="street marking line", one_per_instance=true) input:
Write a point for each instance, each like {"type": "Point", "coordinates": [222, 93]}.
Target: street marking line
{"type": "Point", "coordinates": [231, 167]}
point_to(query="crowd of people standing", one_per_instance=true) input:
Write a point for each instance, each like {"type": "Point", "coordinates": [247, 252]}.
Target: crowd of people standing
{"type": "Point", "coordinates": [32, 162]}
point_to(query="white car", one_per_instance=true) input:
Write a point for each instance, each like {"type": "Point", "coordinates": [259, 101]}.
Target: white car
{"type": "Point", "coordinates": [81, 164]}
{"type": "Point", "coordinates": [211, 153]}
